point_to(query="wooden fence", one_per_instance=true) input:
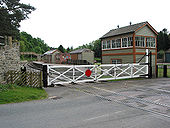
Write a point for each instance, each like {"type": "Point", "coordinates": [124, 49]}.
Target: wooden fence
{"type": "Point", "coordinates": [32, 79]}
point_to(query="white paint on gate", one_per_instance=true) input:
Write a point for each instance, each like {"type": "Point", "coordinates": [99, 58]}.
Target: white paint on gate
{"type": "Point", "coordinates": [61, 74]}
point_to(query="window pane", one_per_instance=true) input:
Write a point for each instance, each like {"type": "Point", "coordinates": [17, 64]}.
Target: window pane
{"type": "Point", "coordinates": [150, 42]}
{"type": "Point", "coordinates": [108, 44]}
{"type": "Point", "coordinates": [130, 41]}
{"type": "Point", "coordinates": [116, 61]}
{"type": "Point", "coordinates": [140, 41]}
{"type": "Point", "coordinates": [124, 42]}
{"type": "Point", "coordinates": [113, 44]}
{"type": "Point", "coordinates": [104, 44]}
{"type": "Point", "coordinates": [137, 41]}
{"type": "Point", "coordinates": [118, 41]}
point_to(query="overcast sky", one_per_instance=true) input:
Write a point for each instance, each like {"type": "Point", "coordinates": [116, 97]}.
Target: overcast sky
{"type": "Point", "coordinates": [77, 22]}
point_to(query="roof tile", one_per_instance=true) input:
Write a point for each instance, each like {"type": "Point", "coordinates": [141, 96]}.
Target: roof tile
{"type": "Point", "coordinates": [123, 30]}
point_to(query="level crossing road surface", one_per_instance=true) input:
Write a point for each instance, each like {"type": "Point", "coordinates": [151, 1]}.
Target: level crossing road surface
{"type": "Point", "coordinates": [119, 104]}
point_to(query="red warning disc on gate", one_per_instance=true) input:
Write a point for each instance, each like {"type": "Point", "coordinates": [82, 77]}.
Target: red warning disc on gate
{"type": "Point", "coordinates": [88, 72]}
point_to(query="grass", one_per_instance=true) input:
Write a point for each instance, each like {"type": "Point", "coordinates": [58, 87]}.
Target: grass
{"type": "Point", "coordinates": [160, 72]}
{"type": "Point", "coordinates": [14, 94]}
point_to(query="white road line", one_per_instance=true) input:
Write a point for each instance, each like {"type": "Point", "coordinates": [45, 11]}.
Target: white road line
{"type": "Point", "coordinates": [93, 118]}
{"type": "Point", "coordinates": [106, 115]}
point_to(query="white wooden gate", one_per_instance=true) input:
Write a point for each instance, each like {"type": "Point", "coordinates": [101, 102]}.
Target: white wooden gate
{"type": "Point", "coordinates": [85, 73]}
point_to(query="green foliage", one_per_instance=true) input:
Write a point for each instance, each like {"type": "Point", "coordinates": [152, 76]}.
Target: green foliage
{"type": "Point", "coordinates": [160, 54]}
{"type": "Point", "coordinates": [94, 46]}
{"type": "Point", "coordinates": [163, 40]}
{"type": "Point", "coordinates": [30, 44]}
{"type": "Point", "coordinates": [69, 49]}
{"type": "Point", "coordinates": [61, 49]}
{"type": "Point", "coordinates": [160, 71]}
{"type": "Point", "coordinates": [98, 60]}
{"type": "Point", "coordinates": [12, 12]}
{"type": "Point", "coordinates": [14, 94]}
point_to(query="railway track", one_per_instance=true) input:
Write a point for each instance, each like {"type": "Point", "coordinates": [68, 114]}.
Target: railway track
{"type": "Point", "coordinates": [130, 101]}
{"type": "Point", "coordinates": [33, 67]}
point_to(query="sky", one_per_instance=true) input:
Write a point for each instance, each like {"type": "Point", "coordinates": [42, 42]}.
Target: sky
{"type": "Point", "coordinates": [77, 22]}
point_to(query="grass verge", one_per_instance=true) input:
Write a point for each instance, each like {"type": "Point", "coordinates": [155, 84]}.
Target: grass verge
{"type": "Point", "coordinates": [160, 72]}
{"type": "Point", "coordinates": [14, 94]}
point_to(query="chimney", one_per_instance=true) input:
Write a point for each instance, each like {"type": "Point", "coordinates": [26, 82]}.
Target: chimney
{"type": "Point", "coordinates": [130, 23]}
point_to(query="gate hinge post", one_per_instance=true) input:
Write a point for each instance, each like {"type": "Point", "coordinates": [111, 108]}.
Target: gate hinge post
{"type": "Point", "coordinates": [45, 80]}
{"type": "Point", "coordinates": [147, 62]}
{"type": "Point", "coordinates": [48, 77]}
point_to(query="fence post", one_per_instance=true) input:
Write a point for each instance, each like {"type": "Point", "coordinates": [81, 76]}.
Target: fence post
{"type": "Point", "coordinates": [147, 62]}
{"type": "Point", "coordinates": [165, 71]}
{"type": "Point", "coordinates": [40, 78]}
{"type": "Point", "coordinates": [23, 76]}
{"type": "Point", "coordinates": [156, 71]}
{"type": "Point", "coordinates": [150, 65]}
{"type": "Point", "coordinates": [45, 82]}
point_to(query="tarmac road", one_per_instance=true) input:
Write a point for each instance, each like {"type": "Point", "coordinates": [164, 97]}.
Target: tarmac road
{"type": "Point", "coordinates": [70, 107]}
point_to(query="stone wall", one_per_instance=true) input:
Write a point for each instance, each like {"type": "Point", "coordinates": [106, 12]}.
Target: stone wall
{"type": "Point", "coordinates": [9, 59]}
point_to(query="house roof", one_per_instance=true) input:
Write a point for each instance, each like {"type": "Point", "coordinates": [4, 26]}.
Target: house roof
{"type": "Point", "coordinates": [79, 51]}
{"type": "Point", "coordinates": [51, 52]}
{"type": "Point", "coordinates": [127, 29]}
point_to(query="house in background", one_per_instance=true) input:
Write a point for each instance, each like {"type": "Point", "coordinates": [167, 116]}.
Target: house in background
{"type": "Point", "coordinates": [83, 54]}
{"type": "Point", "coordinates": [55, 57]}
{"type": "Point", "coordinates": [128, 44]}
{"type": "Point", "coordinates": [62, 58]}
{"type": "Point", "coordinates": [50, 56]}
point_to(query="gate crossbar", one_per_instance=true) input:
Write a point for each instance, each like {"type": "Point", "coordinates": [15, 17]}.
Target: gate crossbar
{"type": "Point", "coordinates": [76, 73]}
{"type": "Point", "coordinates": [60, 74]}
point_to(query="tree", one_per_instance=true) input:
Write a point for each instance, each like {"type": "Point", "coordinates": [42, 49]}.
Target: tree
{"type": "Point", "coordinates": [97, 48]}
{"type": "Point", "coordinates": [30, 44]}
{"type": "Point", "coordinates": [163, 40]}
{"type": "Point", "coordinates": [94, 46]}
{"type": "Point", "coordinates": [12, 12]}
{"type": "Point", "coordinates": [61, 48]}
{"type": "Point", "coordinates": [68, 49]}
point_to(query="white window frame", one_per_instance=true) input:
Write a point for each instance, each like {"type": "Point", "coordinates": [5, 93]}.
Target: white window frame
{"type": "Point", "coordinates": [131, 41]}
{"type": "Point", "coordinates": [126, 42]}
{"type": "Point", "coordinates": [116, 61]}
{"type": "Point", "coordinates": [140, 42]}
{"type": "Point", "coordinates": [103, 44]}
{"type": "Point", "coordinates": [113, 43]}
{"type": "Point", "coordinates": [108, 42]}
{"type": "Point", "coordinates": [151, 43]}
{"type": "Point", "coordinates": [118, 42]}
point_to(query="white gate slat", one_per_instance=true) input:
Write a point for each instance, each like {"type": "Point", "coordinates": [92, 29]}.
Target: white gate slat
{"type": "Point", "coordinates": [60, 74]}
{"type": "Point", "coordinates": [123, 71]}
{"type": "Point", "coordinates": [76, 73]}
